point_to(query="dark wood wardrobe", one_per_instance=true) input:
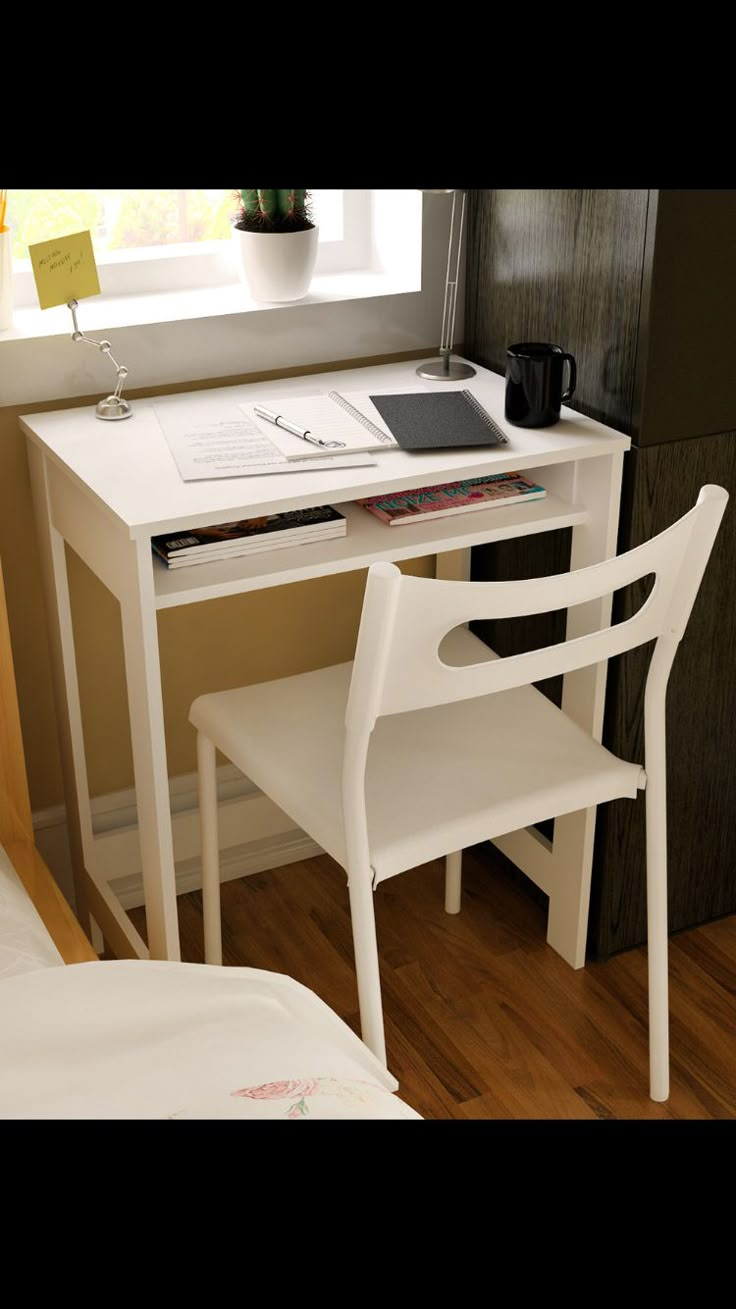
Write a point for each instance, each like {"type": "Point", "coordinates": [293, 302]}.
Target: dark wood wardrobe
{"type": "Point", "coordinates": [641, 287]}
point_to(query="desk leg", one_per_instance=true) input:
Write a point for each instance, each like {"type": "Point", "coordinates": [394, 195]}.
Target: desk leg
{"type": "Point", "coordinates": [145, 706]}
{"type": "Point", "coordinates": [598, 486]}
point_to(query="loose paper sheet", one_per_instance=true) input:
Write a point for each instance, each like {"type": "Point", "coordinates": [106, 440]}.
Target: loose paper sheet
{"type": "Point", "coordinates": [64, 269]}
{"type": "Point", "coordinates": [212, 438]}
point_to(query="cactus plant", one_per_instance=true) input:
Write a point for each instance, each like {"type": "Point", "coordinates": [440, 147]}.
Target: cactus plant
{"type": "Point", "coordinates": [273, 211]}
{"type": "Point", "coordinates": [275, 269]}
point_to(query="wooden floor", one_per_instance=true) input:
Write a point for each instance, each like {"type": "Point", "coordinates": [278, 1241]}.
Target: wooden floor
{"type": "Point", "coordinates": [483, 1019]}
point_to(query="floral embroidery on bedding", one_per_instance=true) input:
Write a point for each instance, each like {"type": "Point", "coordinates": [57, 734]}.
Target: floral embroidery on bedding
{"type": "Point", "coordinates": [299, 1091]}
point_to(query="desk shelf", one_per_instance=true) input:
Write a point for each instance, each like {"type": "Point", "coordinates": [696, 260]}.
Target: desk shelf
{"type": "Point", "coordinates": [368, 540]}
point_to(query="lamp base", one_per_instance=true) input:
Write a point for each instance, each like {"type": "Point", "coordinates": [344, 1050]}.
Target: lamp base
{"type": "Point", "coordinates": [112, 408]}
{"type": "Point", "coordinates": [445, 370]}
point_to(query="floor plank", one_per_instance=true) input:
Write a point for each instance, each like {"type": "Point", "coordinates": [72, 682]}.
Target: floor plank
{"type": "Point", "coordinates": [483, 1019]}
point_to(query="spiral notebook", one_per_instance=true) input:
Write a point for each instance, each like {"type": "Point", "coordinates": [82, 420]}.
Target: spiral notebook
{"type": "Point", "coordinates": [412, 420]}
{"type": "Point", "coordinates": [436, 420]}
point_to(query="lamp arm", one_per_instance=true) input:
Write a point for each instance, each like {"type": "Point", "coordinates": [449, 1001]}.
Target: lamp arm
{"type": "Point", "coordinates": [447, 369]}
{"type": "Point", "coordinates": [452, 276]}
{"type": "Point", "coordinates": [114, 406]}
{"type": "Point", "coordinates": [122, 374]}
{"type": "Point", "coordinates": [446, 308]}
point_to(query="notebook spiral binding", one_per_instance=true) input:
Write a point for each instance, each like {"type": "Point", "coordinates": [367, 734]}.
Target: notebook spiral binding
{"type": "Point", "coordinates": [477, 406]}
{"type": "Point", "coordinates": [383, 437]}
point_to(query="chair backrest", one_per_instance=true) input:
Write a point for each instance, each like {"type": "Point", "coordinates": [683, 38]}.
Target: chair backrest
{"type": "Point", "coordinates": [397, 662]}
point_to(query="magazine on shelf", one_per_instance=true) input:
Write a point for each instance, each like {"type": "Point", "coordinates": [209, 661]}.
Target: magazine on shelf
{"type": "Point", "coordinates": [426, 502]}
{"type": "Point", "coordinates": [250, 535]}
{"type": "Point", "coordinates": [248, 547]}
{"type": "Point", "coordinates": [261, 547]}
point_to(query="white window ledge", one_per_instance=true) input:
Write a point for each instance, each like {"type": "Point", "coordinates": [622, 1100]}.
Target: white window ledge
{"type": "Point", "coordinates": [102, 313]}
{"type": "Point", "coordinates": [169, 337]}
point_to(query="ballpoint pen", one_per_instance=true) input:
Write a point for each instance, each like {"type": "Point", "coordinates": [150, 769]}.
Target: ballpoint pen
{"type": "Point", "coordinates": [302, 432]}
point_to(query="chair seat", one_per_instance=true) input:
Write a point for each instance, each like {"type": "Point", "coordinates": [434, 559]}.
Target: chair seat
{"type": "Point", "coordinates": [437, 779]}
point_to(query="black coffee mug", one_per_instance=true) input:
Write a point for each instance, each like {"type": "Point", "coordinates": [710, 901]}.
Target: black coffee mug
{"type": "Point", "coordinates": [534, 383]}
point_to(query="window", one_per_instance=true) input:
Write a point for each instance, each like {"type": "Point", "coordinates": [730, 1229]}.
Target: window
{"type": "Point", "coordinates": [147, 240]}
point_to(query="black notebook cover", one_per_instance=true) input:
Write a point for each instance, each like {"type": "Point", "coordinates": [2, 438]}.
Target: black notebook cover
{"type": "Point", "coordinates": [434, 420]}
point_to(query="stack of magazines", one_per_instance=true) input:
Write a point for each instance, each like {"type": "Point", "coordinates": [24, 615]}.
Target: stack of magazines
{"type": "Point", "coordinates": [453, 498]}
{"type": "Point", "coordinates": [249, 536]}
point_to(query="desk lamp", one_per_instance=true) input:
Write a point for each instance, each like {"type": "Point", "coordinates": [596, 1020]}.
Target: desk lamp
{"type": "Point", "coordinates": [65, 272]}
{"type": "Point", "coordinates": [113, 406]}
{"type": "Point", "coordinates": [446, 369]}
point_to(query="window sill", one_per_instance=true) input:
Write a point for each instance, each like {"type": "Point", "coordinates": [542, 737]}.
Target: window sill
{"type": "Point", "coordinates": [101, 313]}
{"type": "Point", "coordinates": [168, 339]}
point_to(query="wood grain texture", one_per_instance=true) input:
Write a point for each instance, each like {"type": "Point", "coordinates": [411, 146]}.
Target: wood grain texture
{"type": "Point", "coordinates": [662, 483]}
{"type": "Point", "coordinates": [690, 319]}
{"type": "Point", "coordinates": [561, 266]}
{"type": "Point", "coordinates": [483, 1019]}
{"type": "Point", "coordinates": [566, 267]}
{"type": "Point", "coordinates": [571, 266]}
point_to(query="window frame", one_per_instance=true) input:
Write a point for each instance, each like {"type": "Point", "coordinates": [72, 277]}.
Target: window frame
{"type": "Point", "coordinates": [198, 264]}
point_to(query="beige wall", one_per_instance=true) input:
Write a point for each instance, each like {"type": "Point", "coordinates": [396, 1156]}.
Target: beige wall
{"type": "Point", "coordinates": [226, 642]}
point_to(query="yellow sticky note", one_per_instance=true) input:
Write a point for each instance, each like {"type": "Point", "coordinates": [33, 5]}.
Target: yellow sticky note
{"type": "Point", "coordinates": [64, 269]}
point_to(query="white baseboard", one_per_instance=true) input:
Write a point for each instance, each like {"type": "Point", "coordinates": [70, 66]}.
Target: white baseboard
{"type": "Point", "coordinates": [238, 861]}
{"type": "Point", "coordinates": [255, 835]}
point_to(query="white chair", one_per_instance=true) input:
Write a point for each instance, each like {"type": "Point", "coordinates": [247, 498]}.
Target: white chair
{"type": "Point", "coordinates": [415, 751]}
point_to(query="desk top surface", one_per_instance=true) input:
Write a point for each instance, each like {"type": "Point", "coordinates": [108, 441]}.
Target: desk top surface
{"type": "Point", "coordinates": [128, 469]}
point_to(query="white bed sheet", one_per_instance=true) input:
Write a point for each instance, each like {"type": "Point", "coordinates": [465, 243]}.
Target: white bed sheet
{"type": "Point", "coordinates": [150, 1039]}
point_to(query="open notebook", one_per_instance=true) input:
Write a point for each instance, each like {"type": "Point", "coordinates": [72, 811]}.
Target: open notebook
{"type": "Point", "coordinates": [352, 419]}
{"type": "Point", "coordinates": [415, 419]}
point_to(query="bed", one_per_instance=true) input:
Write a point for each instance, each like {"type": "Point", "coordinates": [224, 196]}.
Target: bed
{"type": "Point", "coordinates": [82, 1038]}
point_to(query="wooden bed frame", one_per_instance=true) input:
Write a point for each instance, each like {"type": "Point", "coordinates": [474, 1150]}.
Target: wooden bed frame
{"type": "Point", "coordinates": [16, 824]}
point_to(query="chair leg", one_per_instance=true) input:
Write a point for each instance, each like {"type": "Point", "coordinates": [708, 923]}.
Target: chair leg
{"type": "Point", "coordinates": [210, 849]}
{"type": "Point", "coordinates": [453, 882]}
{"type": "Point", "coordinates": [365, 946]}
{"type": "Point", "coordinates": [656, 813]}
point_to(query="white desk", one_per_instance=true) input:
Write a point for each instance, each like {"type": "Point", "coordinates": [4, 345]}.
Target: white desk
{"type": "Point", "coordinates": [106, 488]}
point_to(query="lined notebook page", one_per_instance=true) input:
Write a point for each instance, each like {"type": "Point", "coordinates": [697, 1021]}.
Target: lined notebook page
{"type": "Point", "coordinates": [348, 416]}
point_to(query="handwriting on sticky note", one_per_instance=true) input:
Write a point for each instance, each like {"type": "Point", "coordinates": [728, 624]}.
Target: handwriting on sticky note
{"type": "Point", "coordinates": [64, 269]}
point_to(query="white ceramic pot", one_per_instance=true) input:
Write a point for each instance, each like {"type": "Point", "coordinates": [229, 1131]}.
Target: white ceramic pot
{"type": "Point", "coordinates": [277, 265]}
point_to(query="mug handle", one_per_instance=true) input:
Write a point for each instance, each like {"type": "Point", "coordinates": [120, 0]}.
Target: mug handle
{"type": "Point", "coordinates": [573, 376]}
